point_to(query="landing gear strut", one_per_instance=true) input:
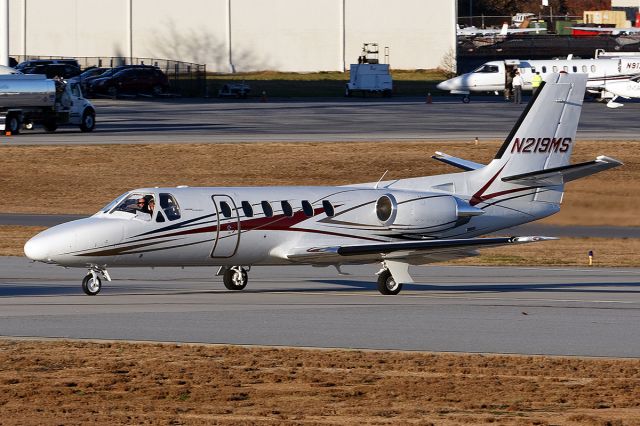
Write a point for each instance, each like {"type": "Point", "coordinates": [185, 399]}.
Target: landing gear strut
{"type": "Point", "coordinates": [91, 283]}
{"type": "Point", "coordinates": [387, 285]}
{"type": "Point", "coordinates": [235, 278]}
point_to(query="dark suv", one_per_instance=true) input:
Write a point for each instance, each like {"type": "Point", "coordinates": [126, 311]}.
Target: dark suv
{"type": "Point", "coordinates": [137, 79]}
{"type": "Point", "coordinates": [65, 71]}
{"type": "Point", "coordinates": [36, 62]}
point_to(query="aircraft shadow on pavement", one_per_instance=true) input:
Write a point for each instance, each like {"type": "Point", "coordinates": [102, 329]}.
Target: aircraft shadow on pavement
{"type": "Point", "coordinates": [38, 290]}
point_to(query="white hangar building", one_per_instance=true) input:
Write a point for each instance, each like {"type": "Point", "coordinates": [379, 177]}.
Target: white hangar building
{"type": "Point", "coordinates": [240, 35]}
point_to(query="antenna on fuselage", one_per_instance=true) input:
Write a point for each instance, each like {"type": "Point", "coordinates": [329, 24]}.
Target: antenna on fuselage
{"type": "Point", "coordinates": [380, 180]}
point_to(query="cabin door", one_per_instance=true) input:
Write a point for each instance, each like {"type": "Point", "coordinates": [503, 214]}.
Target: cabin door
{"type": "Point", "coordinates": [227, 232]}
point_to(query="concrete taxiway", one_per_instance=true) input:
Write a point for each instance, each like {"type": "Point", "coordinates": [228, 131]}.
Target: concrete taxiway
{"type": "Point", "coordinates": [205, 121]}
{"type": "Point", "coordinates": [592, 312]}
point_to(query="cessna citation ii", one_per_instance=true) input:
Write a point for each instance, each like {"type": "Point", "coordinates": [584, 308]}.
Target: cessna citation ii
{"type": "Point", "coordinates": [397, 223]}
{"type": "Point", "coordinates": [607, 77]}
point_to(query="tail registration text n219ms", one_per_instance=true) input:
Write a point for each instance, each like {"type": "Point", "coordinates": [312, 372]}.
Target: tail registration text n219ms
{"type": "Point", "coordinates": [397, 223]}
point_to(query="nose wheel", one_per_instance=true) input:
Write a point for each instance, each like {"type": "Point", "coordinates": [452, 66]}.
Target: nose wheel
{"type": "Point", "coordinates": [91, 283]}
{"type": "Point", "coordinates": [235, 278]}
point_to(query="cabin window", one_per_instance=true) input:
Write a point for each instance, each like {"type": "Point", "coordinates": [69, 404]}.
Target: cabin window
{"type": "Point", "coordinates": [487, 69]}
{"type": "Point", "coordinates": [544, 70]}
{"type": "Point", "coordinates": [565, 68]}
{"type": "Point", "coordinates": [307, 208]}
{"type": "Point", "coordinates": [593, 68]}
{"type": "Point", "coordinates": [584, 68]}
{"type": "Point", "coordinates": [286, 208]}
{"type": "Point", "coordinates": [247, 209]}
{"type": "Point", "coordinates": [575, 69]}
{"type": "Point", "coordinates": [266, 208]}
{"type": "Point", "coordinates": [555, 68]}
{"type": "Point", "coordinates": [169, 206]}
{"type": "Point", "coordinates": [328, 208]}
{"type": "Point", "coordinates": [225, 209]}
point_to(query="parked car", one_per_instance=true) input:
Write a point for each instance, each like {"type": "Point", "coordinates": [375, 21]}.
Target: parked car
{"type": "Point", "coordinates": [88, 74]}
{"type": "Point", "coordinates": [135, 79]}
{"type": "Point", "coordinates": [234, 90]}
{"type": "Point", "coordinates": [65, 71]}
{"type": "Point", "coordinates": [35, 62]}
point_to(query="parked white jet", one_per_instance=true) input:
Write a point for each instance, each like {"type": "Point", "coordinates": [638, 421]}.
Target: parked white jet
{"type": "Point", "coordinates": [492, 76]}
{"type": "Point", "coordinates": [473, 31]}
{"type": "Point", "coordinates": [398, 222]}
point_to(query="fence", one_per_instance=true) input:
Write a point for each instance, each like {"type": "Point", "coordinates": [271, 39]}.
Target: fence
{"type": "Point", "coordinates": [185, 78]}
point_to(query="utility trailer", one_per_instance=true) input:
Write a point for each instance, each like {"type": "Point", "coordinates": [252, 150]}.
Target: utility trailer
{"type": "Point", "coordinates": [28, 99]}
{"type": "Point", "coordinates": [369, 75]}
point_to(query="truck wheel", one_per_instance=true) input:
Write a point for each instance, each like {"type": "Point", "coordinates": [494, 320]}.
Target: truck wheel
{"type": "Point", "coordinates": [12, 124]}
{"type": "Point", "coordinates": [88, 122]}
{"type": "Point", "coordinates": [50, 125]}
{"type": "Point", "coordinates": [28, 125]}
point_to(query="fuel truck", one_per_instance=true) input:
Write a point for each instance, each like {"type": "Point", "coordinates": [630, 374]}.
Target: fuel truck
{"type": "Point", "coordinates": [29, 99]}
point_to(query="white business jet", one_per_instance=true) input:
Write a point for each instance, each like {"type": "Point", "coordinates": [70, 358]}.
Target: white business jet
{"type": "Point", "coordinates": [492, 76]}
{"type": "Point", "coordinates": [397, 223]}
{"type": "Point", "coordinates": [473, 31]}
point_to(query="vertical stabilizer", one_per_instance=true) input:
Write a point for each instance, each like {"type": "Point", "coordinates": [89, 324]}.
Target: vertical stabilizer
{"type": "Point", "coordinates": [542, 138]}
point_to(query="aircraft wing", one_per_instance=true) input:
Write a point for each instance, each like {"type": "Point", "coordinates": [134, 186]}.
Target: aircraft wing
{"type": "Point", "coordinates": [456, 162]}
{"type": "Point", "coordinates": [564, 174]}
{"type": "Point", "coordinates": [421, 251]}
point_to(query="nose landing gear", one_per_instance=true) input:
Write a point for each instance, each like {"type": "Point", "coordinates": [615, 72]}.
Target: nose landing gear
{"type": "Point", "coordinates": [234, 277]}
{"type": "Point", "coordinates": [91, 283]}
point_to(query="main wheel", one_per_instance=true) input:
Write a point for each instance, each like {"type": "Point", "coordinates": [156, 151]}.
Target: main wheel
{"type": "Point", "coordinates": [387, 285]}
{"type": "Point", "coordinates": [90, 285]}
{"type": "Point", "coordinates": [235, 278]}
{"type": "Point", "coordinates": [466, 99]}
{"type": "Point", "coordinates": [88, 122]}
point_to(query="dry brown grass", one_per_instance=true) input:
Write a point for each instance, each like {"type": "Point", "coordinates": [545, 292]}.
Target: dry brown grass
{"type": "Point", "coordinates": [120, 383]}
{"type": "Point", "coordinates": [81, 179]}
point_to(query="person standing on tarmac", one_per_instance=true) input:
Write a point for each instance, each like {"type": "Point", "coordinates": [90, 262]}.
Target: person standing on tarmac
{"type": "Point", "coordinates": [517, 88]}
{"type": "Point", "coordinates": [535, 82]}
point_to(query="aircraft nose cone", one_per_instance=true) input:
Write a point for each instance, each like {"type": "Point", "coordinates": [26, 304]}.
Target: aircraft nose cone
{"type": "Point", "coordinates": [443, 85]}
{"type": "Point", "coordinates": [36, 249]}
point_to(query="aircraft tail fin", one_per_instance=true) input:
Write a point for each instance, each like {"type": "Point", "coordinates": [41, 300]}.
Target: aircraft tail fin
{"type": "Point", "coordinates": [542, 138]}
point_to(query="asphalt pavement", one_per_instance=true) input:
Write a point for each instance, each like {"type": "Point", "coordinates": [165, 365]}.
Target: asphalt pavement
{"type": "Point", "coordinates": [563, 311]}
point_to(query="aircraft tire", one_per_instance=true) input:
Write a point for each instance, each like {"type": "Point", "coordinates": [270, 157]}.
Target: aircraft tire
{"type": "Point", "coordinates": [234, 282]}
{"type": "Point", "coordinates": [91, 286]}
{"type": "Point", "coordinates": [466, 99]}
{"type": "Point", "coordinates": [387, 285]}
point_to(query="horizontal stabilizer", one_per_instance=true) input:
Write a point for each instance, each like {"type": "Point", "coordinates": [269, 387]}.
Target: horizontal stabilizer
{"type": "Point", "coordinates": [564, 174]}
{"type": "Point", "coordinates": [456, 162]}
{"type": "Point", "coordinates": [395, 250]}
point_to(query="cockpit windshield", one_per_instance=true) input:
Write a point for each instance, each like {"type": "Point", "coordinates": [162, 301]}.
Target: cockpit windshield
{"type": "Point", "coordinates": [487, 69]}
{"type": "Point", "coordinates": [139, 204]}
{"type": "Point", "coordinates": [109, 206]}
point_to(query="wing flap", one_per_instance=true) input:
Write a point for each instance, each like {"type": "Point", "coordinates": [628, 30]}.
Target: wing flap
{"type": "Point", "coordinates": [392, 250]}
{"type": "Point", "coordinates": [564, 174]}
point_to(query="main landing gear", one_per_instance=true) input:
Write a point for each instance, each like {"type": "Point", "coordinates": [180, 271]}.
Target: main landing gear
{"type": "Point", "coordinates": [388, 285]}
{"type": "Point", "coordinates": [234, 277]}
{"type": "Point", "coordinates": [91, 283]}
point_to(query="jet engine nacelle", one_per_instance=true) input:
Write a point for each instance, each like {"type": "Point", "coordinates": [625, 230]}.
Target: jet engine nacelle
{"type": "Point", "coordinates": [422, 212]}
